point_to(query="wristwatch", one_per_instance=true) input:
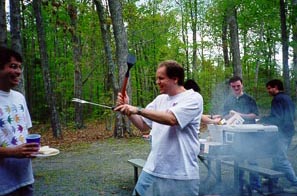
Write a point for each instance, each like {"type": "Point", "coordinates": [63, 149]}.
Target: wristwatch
{"type": "Point", "coordinates": [139, 109]}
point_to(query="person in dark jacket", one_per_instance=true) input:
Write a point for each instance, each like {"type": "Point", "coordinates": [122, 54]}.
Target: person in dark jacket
{"type": "Point", "coordinates": [240, 102]}
{"type": "Point", "coordinates": [245, 106]}
{"type": "Point", "coordinates": [282, 115]}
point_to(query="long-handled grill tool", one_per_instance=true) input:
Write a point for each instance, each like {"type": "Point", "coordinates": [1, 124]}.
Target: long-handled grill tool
{"type": "Point", "coordinates": [96, 104]}
{"type": "Point", "coordinates": [130, 62]}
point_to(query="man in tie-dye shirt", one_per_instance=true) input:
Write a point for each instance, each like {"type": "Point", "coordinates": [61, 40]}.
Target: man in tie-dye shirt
{"type": "Point", "coordinates": [16, 176]}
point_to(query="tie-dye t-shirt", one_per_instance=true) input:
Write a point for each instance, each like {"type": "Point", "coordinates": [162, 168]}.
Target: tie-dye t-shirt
{"type": "Point", "coordinates": [14, 124]}
{"type": "Point", "coordinates": [14, 119]}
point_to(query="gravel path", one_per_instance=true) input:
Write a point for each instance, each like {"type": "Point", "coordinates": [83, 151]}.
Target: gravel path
{"type": "Point", "coordinates": [101, 168]}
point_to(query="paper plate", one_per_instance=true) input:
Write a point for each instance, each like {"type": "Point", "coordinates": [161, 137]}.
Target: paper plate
{"type": "Point", "coordinates": [49, 154]}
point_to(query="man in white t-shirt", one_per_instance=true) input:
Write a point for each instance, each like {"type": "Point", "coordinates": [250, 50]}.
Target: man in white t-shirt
{"type": "Point", "coordinates": [174, 118]}
{"type": "Point", "coordinates": [16, 176]}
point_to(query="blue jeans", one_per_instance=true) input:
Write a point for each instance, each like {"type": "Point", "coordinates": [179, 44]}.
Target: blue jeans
{"type": "Point", "coordinates": [254, 179]}
{"type": "Point", "coordinates": [23, 191]}
{"type": "Point", "coordinates": [149, 185]}
{"type": "Point", "coordinates": [281, 163]}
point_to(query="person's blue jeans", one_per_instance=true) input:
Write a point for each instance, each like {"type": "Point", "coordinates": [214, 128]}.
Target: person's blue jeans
{"type": "Point", "coordinates": [281, 163]}
{"type": "Point", "coordinates": [23, 191]}
{"type": "Point", "coordinates": [149, 185]}
{"type": "Point", "coordinates": [254, 179]}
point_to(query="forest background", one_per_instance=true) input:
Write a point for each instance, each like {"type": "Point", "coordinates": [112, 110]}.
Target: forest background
{"type": "Point", "coordinates": [78, 48]}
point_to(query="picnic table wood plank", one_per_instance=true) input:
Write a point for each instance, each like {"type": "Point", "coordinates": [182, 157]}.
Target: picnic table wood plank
{"type": "Point", "coordinates": [257, 169]}
{"type": "Point", "coordinates": [137, 163]}
{"type": "Point", "coordinates": [268, 173]}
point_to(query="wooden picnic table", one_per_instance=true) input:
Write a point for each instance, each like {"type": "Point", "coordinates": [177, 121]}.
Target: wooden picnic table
{"type": "Point", "coordinates": [237, 164]}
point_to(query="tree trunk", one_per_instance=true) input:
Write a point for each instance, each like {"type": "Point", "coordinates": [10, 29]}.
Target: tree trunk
{"type": "Point", "coordinates": [261, 35]}
{"type": "Point", "coordinates": [55, 121]}
{"type": "Point", "coordinates": [285, 48]}
{"type": "Point", "coordinates": [77, 53]}
{"type": "Point", "coordinates": [3, 26]}
{"type": "Point", "coordinates": [232, 20]}
{"type": "Point", "coordinates": [225, 42]}
{"type": "Point", "coordinates": [185, 38]}
{"type": "Point", "coordinates": [121, 125]}
{"type": "Point", "coordinates": [194, 31]}
{"type": "Point", "coordinates": [294, 45]}
{"type": "Point", "coordinates": [16, 40]}
{"type": "Point", "coordinates": [106, 38]}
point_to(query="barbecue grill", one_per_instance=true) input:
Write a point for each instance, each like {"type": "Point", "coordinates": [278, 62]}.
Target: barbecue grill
{"type": "Point", "coordinates": [248, 140]}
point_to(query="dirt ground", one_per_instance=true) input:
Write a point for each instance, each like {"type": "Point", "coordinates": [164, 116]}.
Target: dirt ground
{"type": "Point", "coordinates": [92, 162]}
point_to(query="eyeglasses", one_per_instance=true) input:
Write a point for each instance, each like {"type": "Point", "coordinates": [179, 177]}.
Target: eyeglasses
{"type": "Point", "coordinates": [16, 66]}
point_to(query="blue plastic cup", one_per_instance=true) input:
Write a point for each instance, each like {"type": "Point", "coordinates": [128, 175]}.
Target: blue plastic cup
{"type": "Point", "coordinates": [33, 138]}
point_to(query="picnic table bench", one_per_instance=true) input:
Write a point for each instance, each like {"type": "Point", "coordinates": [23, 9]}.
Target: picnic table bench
{"type": "Point", "coordinates": [136, 163]}
{"type": "Point", "coordinates": [255, 169]}
{"type": "Point", "coordinates": [220, 160]}
{"type": "Point", "coordinates": [265, 172]}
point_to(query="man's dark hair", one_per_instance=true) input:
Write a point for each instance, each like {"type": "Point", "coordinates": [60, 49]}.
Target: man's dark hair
{"type": "Point", "coordinates": [234, 79]}
{"type": "Point", "coordinates": [191, 84]}
{"type": "Point", "coordinates": [6, 54]}
{"type": "Point", "coordinates": [174, 70]}
{"type": "Point", "coordinates": [275, 83]}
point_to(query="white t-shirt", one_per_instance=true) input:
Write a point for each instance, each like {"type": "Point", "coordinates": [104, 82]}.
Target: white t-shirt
{"type": "Point", "coordinates": [175, 149]}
